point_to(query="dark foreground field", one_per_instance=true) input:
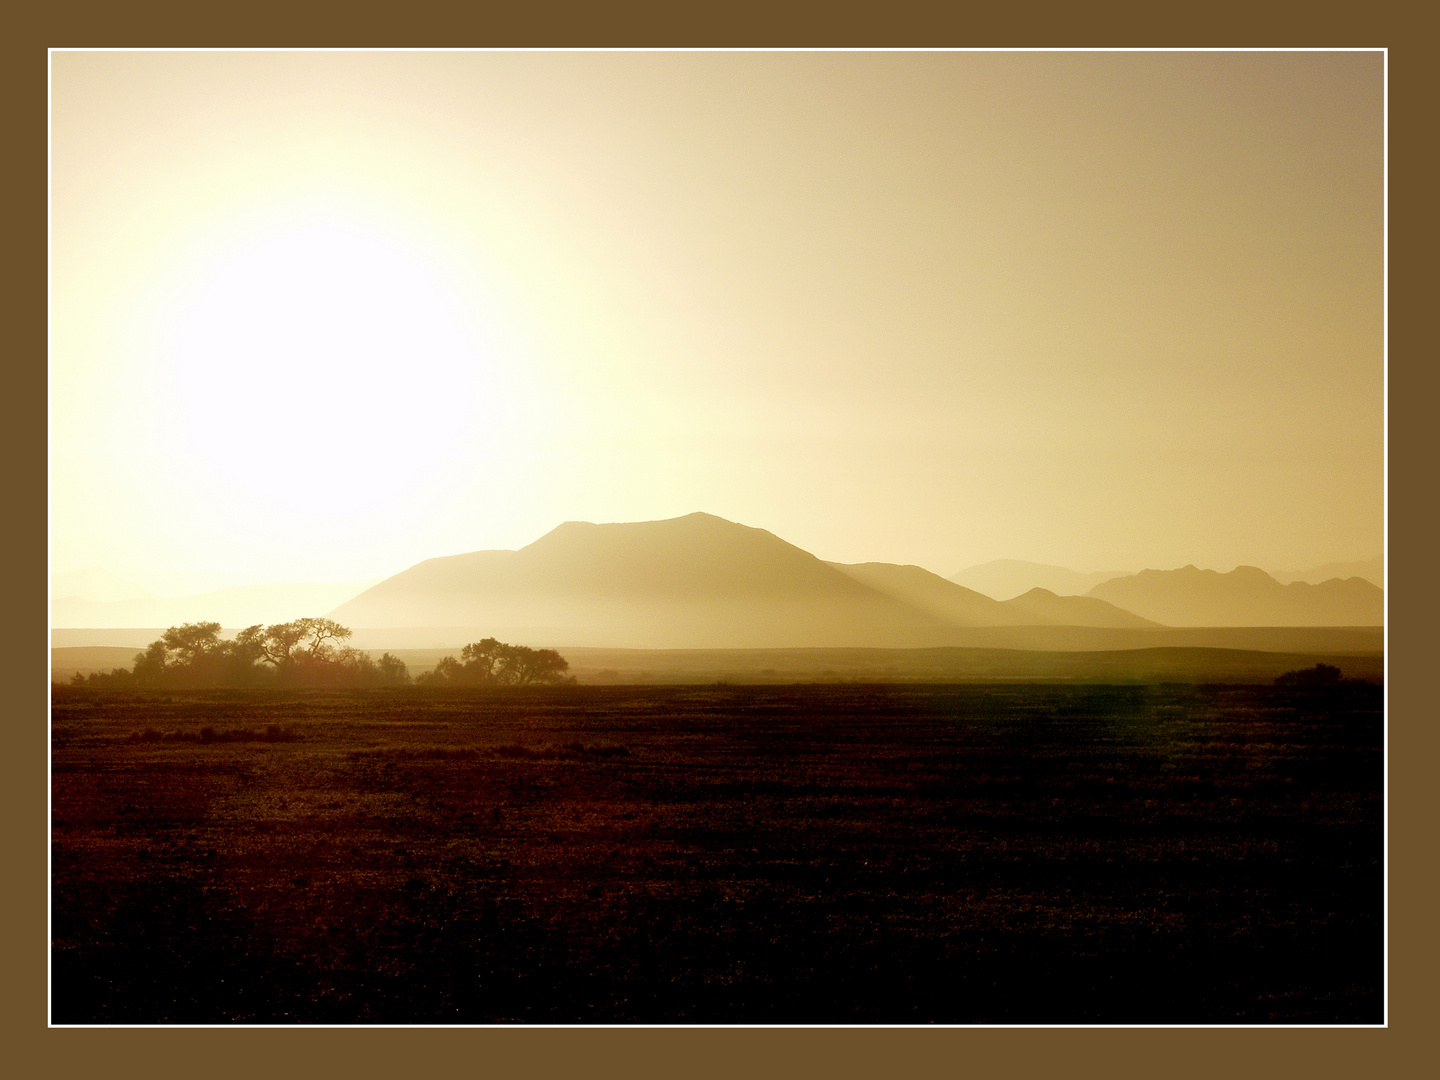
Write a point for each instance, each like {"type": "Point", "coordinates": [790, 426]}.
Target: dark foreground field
{"type": "Point", "coordinates": [803, 854]}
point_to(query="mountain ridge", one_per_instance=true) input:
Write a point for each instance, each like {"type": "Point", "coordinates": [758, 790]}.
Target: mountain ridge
{"type": "Point", "coordinates": [696, 581]}
{"type": "Point", "coordinates": [1246, 596]}
{"type": "Point", "coordinates": [969, 608]}
{"type": "Point", "coordinates": [1005, 579]}
{"type": "Point", "coordinates": [700, 581]}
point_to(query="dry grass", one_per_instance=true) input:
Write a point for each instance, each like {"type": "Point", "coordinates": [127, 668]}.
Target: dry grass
{"type": "Point", "coordinates": [830, 854]}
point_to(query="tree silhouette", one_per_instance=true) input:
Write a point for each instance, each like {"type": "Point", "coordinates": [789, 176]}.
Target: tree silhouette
{"type": "Point", "coordinates": [304, 652]}
{"type": "Point", "coordinates": [287, 644]}
{"type": "Point", "coordinates": [493, 663]}
{"type": "Point", "coordinates": [392, 671]}
{"type": "Point", "coordinates": [151, 665]}
{"type": "Point", "coordinates": [523, 666]}
{"type": "Point", "coordinates": [193, 642]}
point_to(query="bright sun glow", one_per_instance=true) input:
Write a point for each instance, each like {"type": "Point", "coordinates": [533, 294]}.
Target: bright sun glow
{"type": "Point", "coordinates": [321, 362]}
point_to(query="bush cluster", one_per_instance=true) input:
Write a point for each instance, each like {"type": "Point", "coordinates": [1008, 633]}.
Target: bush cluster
{"type": "Point", "coordinates": [1319, 675]}
{"type": "Point", "coordinates": [308, 653]}
{"type": "Point", "coordinates": [303, 653]}
{"type": "Point", "coordinates": [493, 663]}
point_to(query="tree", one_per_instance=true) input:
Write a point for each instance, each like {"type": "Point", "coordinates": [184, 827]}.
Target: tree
{"type": "Point", "coordinates": [448, 670]}
{"type": "Point", "coordinates": [285, 644]}
{"type": "Point", "coordinates": [393, 671]}
{"type": "Point", "coordinates": [150, 665]}
{"type": "Point", "coordinates": [305, 652]}
{"type": "Point", "coordinates": [320, 633]}
{"type": "Point", "coordinates": [524, 666]}
{"type": "Point", "coordinates": [193, 655]}
{"type": "Point", "coordinates": [302, 652]}
{"type": "Point", "coordinates": [192, 642]}
{"type": "Point", "coordinates": [481, 658]}
{"type": "Point", "coordinates": [493, 663]}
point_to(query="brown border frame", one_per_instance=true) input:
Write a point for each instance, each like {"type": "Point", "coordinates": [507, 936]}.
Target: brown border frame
{"type": "Point", "coordinates": [71, 1052]}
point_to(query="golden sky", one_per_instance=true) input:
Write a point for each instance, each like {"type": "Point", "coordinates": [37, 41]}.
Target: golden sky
{"type": "Point", "coordinates": [320, 316]}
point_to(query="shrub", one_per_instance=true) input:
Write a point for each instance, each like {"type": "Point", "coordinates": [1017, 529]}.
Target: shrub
{"type": "Point", "coordinates": [1319, 675]}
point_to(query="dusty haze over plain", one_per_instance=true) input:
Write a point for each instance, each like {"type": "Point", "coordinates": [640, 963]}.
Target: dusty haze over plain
{"type": "Point", "coordinates": [322, 316]}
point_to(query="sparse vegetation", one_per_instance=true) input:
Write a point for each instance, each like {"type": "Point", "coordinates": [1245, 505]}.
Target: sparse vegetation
{"type": "Point", "coordinates": [493, 663]}
{"type": "Point", "coordinates": [307, 653]}
{"type": "Point", "coordinates": [1319, 675]}
{"type": "Point", "coordinates": [1002, 853]}
{"type": "Point", "coordinates": [302, 653]}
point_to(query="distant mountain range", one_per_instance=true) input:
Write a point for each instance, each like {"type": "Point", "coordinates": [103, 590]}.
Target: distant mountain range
{"type": "Point", "coordinates": [1247, 596]}
{"type": "Point", "coordinates": [1007, 578]}
{"type": "Point", "coordinates": [1372, 570]}
{"type": "Point", "coordinates": [703, 582]}
{"type": "Point", "coordinates": [966, 607]}
{"type": "Point", "coordinates": [693, 582]}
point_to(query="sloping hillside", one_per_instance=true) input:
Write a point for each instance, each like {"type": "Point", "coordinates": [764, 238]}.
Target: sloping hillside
{"type": "Point", "coordinates": [692, 582]}
{"type": "Point", "coordinates": [968, 608]}
{"type": "Point", "coordinates": [1043, 606]}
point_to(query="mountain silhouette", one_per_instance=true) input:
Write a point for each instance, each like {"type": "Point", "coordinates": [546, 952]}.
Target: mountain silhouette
{"type": "Point", "coordinates": [701, 582]}
{"type": "Point", "coordinates": [919, 588]}
{"type": "Point", "coordinates": [1372, 570]}
{"type": "Point", "coordinates": [692, 582]}
{"type": "Point", "coordinates": [697, 581]}
{"type": "Point", "coordinates": [1008, 578]}
{"type": "Point", "coordinates": [1246, 596]}
{"type": "Point", "coordinates": [1047, 608]}
{"type": "Point", "coordinates": [966, 607]}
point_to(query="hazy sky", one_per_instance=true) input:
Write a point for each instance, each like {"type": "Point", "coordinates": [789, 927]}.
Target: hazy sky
{"type": "Point", "coordinates": [320, 316]}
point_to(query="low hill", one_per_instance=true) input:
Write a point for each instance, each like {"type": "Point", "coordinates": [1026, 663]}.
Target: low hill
{"type": "Point", "coordinates": [1043, 606]}
{"type": "Point", "coordinates": [931, 593]}
{"type": "Point", "coordinates": [1247, 596]}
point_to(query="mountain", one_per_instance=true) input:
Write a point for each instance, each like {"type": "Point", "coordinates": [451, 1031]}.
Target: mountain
{"type": "Point", "coordinates": [1043, 606]}
{"type": "Point", "coordinates": [1247, 596]}
{"type": "Point", "coordinates": [695, 582]}
{"type": "Point", "coordinates": [1372, 570]}
{"type": "Point", "coordinates": [931, 593]}
{"type": "Point", "coordinates": [236, 607]}
{"type": "Point", "coordinates": [1007, 578]}
{"type": "Point", "coordinates": [965, 607]}
{"type": "Point", "coordinates": [692, 582]}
